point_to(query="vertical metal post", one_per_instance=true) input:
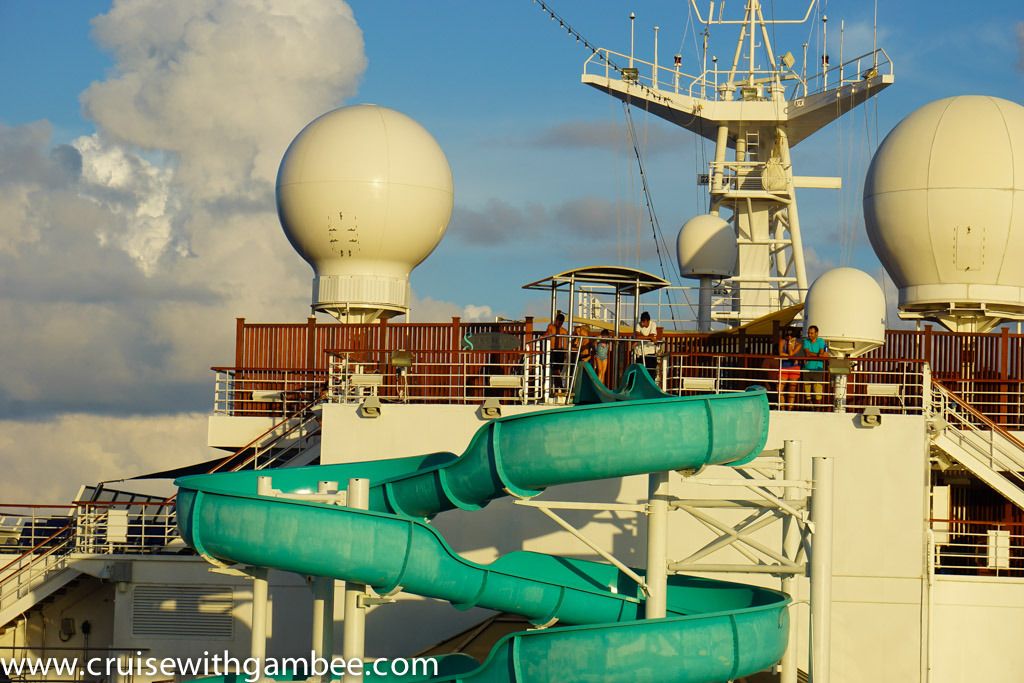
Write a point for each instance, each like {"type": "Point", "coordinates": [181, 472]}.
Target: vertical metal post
{"type": "Point", "coordinates": [839, 393]}
{"type": "Point", "coordinates": [323, 600]}
{"type": "Point", "coordinates": [355, 610]}
{"type": "Point", "coordinates": [654, 67]}
{"type": "Point", "coordinates": [657, 545]}
{"type": "Point", "coordinates": [260, 597]}
{"type": "Point", "coordinates": [632, 36]}
{"type": "Point", "coordinates": [821, 569]}
{"type": "Point", "coordinates": [926, 390]}
{"type": "Point", "coordinates": [790, 549]}
{"type": "Point", "coordinates": [704, 304]}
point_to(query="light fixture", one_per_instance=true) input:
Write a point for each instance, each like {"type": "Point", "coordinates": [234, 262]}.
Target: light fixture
{"type": "Point", "coordinates": [871, 417]}
{"type": "Point", "coordinates": [491, 409]}
{"type": "Point", "coordinates": [370, 407]}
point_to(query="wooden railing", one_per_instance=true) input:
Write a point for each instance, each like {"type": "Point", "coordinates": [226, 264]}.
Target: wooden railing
{"type": "Point", "coordinates": [303, 345]}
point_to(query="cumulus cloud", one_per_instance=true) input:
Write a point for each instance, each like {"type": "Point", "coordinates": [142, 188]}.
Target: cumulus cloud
{"type": "Point", "coordinates": [126, 255]}
{"type": "Point", "coordinates": [223, 85]}
{"type": "Point", "coordinates": [56, 454]}
{"type": "Point", "coordinates": [427, 308]}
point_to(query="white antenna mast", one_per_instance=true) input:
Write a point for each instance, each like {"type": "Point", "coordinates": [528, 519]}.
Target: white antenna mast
{"type": "Point", "coordinates": [745, 110]}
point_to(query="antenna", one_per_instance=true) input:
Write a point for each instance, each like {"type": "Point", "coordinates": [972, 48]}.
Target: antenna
{"type": "Point", "coordinates": [745, 111]}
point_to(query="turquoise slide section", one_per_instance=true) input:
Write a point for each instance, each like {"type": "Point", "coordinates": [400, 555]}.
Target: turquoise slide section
{"type": "Point", "coordinates": [715, 631]}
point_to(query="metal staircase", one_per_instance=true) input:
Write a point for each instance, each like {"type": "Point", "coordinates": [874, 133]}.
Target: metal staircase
{"type": "Point", "coordinates": [48, 566]}
{"type": "Point", "coordinates": [986, 450]}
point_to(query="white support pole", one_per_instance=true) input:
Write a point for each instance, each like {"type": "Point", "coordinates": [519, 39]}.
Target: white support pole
{"type": "Point", "coordinates": [260, 597]}
{"type": "Point", "coordinates": [654, 67]}
{"type": "Point", "coordinates": [796, 240]}
{"type": "Point", "coordinates": [323, 600]}
{"type": "Point", "coordinates": [707, 286]}
{"type": "Point", "coordinates": [355, 593]}
{"type": "Point", "coordinates": [657, 545]}
{"type": "Point", "coordinates": [821, 569]}
{"type": "Point", "coordinates": [790, 549]}
{"type": "Point", "coordinates": [839, 393]}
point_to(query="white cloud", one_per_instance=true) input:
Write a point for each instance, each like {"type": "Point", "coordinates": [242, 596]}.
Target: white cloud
{"type": "Point", "coordinates": [125, 257]}
{"type": "Point", "coordinates": [426, 308]}
{"type": "Point", "coordinates": [55, 455]}
{"type": "Point", "coordinates": [473, 313]}
{"type": "Point", "coordinates": [222, 85]}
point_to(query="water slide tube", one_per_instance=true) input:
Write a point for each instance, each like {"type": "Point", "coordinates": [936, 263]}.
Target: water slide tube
{"type": "Point", "coordinates": [714, 631]}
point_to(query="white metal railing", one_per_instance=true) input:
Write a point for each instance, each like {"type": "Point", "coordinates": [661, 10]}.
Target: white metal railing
{"type": "Point", "coordinates": [891, 386]}
{"type": "Point", "coordinates": [977, 548]}
{"type": "Point", "coordinates": [979, 435]}
{"type": "Point", "coordinates": [714, 84]}
{"type": "Point", "coordinates": [265, 392]}
{"type": "Point", "coordinates": [438, 376]}
{"type": "Point", "coordinates": [22, 575]}
{"type": "Point", "coordinates": [676, 307]}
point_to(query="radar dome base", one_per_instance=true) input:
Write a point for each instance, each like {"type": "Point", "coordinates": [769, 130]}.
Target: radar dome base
{"type": "Point", "coordinates": [969, 317]}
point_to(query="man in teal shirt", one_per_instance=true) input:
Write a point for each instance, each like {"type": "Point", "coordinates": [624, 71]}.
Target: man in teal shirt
{"type": "Point", "coordinates": [815, 348]}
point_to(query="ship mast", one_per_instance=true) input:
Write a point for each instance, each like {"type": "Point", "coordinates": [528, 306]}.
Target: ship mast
{"type": "Point", "coordinates": [746, 110]}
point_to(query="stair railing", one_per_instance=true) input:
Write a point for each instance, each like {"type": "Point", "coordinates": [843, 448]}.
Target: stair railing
{"type": "Point", "coordinates": [1002, 451]}
{"type": "Point", "coordinates": [33, 566]}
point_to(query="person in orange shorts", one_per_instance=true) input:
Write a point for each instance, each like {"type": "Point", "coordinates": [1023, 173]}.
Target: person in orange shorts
{"type": "Point", "coordinates": [789, 368]}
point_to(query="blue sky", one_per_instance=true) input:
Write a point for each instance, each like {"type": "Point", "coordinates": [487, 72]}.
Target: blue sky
{"type": "Point", "coordinates": [489, 79]}
{"type": "Point", "coordinates": [138, 145]}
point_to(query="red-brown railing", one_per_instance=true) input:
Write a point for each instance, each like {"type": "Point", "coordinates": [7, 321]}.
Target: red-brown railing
{"type": "Point", "coordinates": [303, 345]}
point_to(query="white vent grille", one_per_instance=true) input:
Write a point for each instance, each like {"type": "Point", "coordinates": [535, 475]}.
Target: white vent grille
{"type": "Point", "coordinates": [183, 612]}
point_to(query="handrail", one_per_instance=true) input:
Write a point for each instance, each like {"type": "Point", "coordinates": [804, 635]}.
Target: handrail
{"type": "Point", "coordinates": [229, 368]}
{"type": "Point", "coordinates": [33, 549]}
{"type": "Point", "coordinates": [978, 415]}
{"type": "Point", "coordinates": [254, 442]}
{"type": "Point", "coordinates": [763, 356]}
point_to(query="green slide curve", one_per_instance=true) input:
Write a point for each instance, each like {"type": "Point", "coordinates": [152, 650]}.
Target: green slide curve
{"type": "Point", "coordinates": [715, 631]}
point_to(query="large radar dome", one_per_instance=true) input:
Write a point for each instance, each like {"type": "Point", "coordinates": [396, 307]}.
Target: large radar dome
{"type": "Point", "coordinates": [944, 207]}
{"type": "Point", "coordinates": [364, 194]}
{"type": "Point", "coordinates": [848, 307]}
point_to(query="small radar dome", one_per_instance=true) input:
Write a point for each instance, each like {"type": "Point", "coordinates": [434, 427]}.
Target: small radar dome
{"type": "Point", "coordinates": [706, 247]}
{"type": "Point", "coordinates": [944, 208]}
{"type": "Point", "coordinates": [364, 194]}
{"type": "Point", "coordinates": [848, 307]}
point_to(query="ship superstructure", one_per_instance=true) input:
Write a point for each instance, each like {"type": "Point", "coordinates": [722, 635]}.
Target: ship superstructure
{"type": "Point", "coordinates": [889, 507]}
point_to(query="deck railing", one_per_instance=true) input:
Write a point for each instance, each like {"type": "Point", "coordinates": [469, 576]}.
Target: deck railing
{"type": "Point", "coordinates": [891, 385]}
{"type": "Point", "coordinates": [978, 548]}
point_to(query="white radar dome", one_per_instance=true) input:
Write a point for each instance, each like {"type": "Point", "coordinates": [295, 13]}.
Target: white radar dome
{"type": "Point", "coordinates": [706, 247]}
{"type": "Point", "coordinates": [848, 307]}
{"type": "Point", "coordinates": [364, 194]}
{"type": "Point", "coordinates": [944, 208]}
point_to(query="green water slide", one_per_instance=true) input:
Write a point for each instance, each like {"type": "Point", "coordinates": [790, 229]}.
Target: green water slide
{"type": "Point", "coordinates": [714, 631]}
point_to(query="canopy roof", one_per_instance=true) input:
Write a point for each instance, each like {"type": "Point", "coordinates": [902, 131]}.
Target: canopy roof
{"type": "Point", "coordinates": [623, 279]}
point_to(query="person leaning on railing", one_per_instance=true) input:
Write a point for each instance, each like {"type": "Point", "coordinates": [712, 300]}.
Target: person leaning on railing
{"type": "Point", "coordinates": [557, 334]}
{"type": "Point", "coordinates": [646, 350]}
{"type": "Point", "coordinates": [815, 377]}
{"type": "Point", "coordinates": [789, 368]}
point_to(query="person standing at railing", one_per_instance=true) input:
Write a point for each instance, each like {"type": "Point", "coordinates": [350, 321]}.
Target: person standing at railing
{"type": "Point", "coordinates": [558, 343]}
{"type": "Point", "coordinates": [646, 350]}
{"type": "Point", "coordinates": [815, 378]}
{"type": "Point", "coordinates": [789, 368]}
